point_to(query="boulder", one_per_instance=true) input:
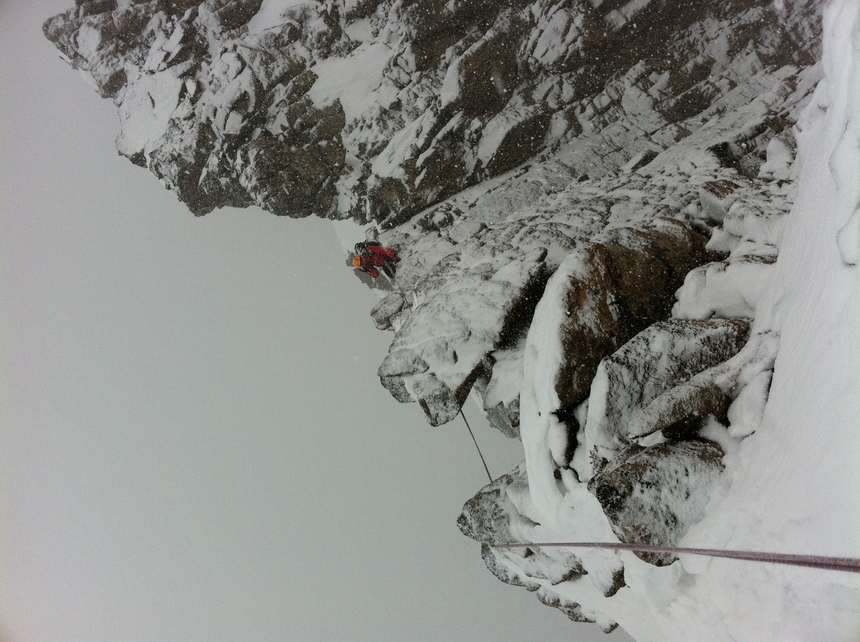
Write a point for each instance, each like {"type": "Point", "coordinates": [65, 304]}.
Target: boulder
{"type": "Point", "coordinates": [441, 348]}
{"type": "Point", "coordinates": [486, 517]}
{"type": "Point", "coordinates": [658, 358]}
{"type": "Point", "coordinates": [653, 495]}
{"type": "Point", "coordinates": [625, 282]}
{"type": "Point", "coordinates": [388, 310]}
{"type": "Point", "coordinates": [679, 411]}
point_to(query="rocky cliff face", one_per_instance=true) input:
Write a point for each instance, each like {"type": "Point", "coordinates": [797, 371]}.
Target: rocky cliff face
{"type": "Point", "coordinates": [587, 197]}
{"type": "Point", "coordinates": [376, 109]}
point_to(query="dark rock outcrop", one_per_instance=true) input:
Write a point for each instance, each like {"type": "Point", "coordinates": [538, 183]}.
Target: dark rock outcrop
{"type": "Point", "coordinates": [627, 282]}
{"type": "Point", "coordinates": [653, 495]}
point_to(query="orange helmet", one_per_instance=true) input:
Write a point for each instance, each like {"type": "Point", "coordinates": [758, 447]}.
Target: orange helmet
{"type": "Point", "coordinates": [356, 261]}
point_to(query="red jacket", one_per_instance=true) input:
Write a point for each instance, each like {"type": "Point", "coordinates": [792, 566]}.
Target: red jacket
{"type": "Point", "coordinates": [374, 256]}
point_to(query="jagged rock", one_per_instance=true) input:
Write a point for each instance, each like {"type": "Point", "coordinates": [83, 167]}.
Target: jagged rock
{"type": "Point", "coordinates": [486, 518]}
{"type": "Point", "coordinates": [512, 137]}
{"type": "Point", "coordinates": [440, 94]}
{"type": "Point", "coordinates": [505, 418]}
{"type": "Point", "coordinates": [655, 360]}
{"type": "Point", "coordinates": [626, 282]}
{"type": "Point", "coordinates": [440, 350]}
{"type": "Point", "coordinates": [571, 609]}
{"type": "Point", "coordinates": [653, 495]}
{"type": "Point", "coordinates": [288, 178]}
{"type": "Point", "coordinates": [482, 79]}
{"type": "Point", "coordinates": [493, 559]}
{"type": "Point", "coordinates": [385, 312]}
{"type": "Point", "coordinates": [679, 410]}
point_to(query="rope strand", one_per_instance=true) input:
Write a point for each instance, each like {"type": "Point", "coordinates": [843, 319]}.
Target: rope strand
{"type": "Point", "coordinates": [480, 454]}
{"type": "Point", "coordinates": [849, 564]}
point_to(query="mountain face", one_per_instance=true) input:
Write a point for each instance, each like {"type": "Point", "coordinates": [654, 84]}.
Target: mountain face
{"type": "Point", "coordinates": [377, 109]}
{"type": "Point", "coordinates": [588, 199]}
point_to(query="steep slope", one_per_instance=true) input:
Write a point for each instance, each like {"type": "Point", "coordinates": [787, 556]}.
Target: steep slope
{"type": "Point", "coordinates": [787, 480]}
{"type": "Point", "coordinates": [376, 109]}
{"type": "Point", "coordinates": [589, 200]}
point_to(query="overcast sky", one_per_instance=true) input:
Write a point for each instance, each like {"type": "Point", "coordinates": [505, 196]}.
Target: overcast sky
{"type": "Point", "coordinates": [194, 443]}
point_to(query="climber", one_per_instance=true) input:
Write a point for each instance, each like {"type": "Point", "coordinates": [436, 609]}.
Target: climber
{"type": "Point", "coordinates": [371, 256]}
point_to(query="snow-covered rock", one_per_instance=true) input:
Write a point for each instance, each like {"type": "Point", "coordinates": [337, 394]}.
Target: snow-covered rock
{"type": "Point", "coordinates": [653, 495]}
{"type": "Point", "coordinates": [379, 108]}
{"type": "Point", "coordinates": [440, 350]}
{"type": "Point", "coordinates": [557, 176]}
{"type": "Point", "coordinates": [657, 359]}
{"type": "Point", "coordinates": [612, 288]}
{"type": "Point", "coordinates": [724, 289]}
{"type": "Point", "coordinates": [680, 409]}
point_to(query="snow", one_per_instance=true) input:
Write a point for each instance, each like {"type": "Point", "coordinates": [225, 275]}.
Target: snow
{"type": "Point", "coordinates": [539, 426]}
{"type": "Point", "coordinates": [794, 482]}
{"type": "Point", "coordinates": [272, 14]}
{"type": "Point", "coordinates": [779, 159]}
{"type": "Point", "coordinates": [792, 463]}
{"type": "Point", "coordinates": [356, 80]}
{"type": "Point", "coordinates": [140, 127]}
{"type": "Point", "coordinates": [723, 289]}
{"type": "Point", "coordinates": [506, 382]}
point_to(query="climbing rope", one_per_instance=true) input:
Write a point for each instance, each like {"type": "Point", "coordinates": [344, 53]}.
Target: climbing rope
{"type": "Point", "coordinates": [480, 454]}
{"type": "Point", "coordinates": [850, 564]}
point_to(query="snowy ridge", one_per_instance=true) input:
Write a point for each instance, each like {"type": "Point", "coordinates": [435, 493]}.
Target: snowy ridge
{"type": "Point", "coordinates": [630, 229]}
